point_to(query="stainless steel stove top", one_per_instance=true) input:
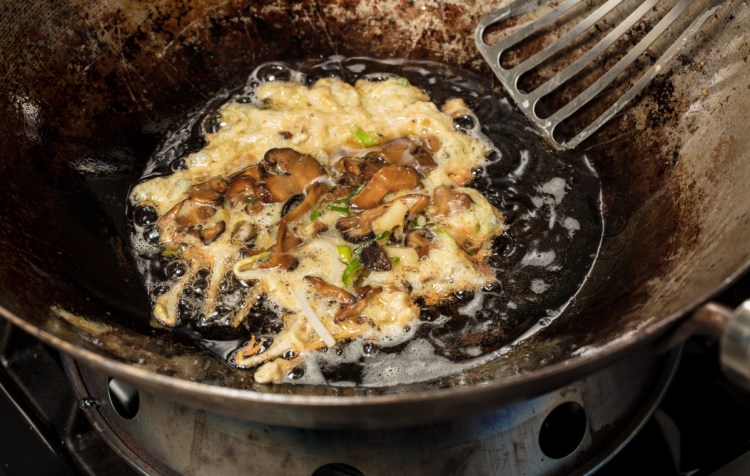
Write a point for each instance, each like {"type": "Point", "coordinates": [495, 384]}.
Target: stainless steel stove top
{"type": "Point", "coordinates": [702, 425]}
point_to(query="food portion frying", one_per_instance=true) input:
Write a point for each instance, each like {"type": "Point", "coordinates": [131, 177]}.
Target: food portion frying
{"type": "Point", "coordinates": [342, 207]}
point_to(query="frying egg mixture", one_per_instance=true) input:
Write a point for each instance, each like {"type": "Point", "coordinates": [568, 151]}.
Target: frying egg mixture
{"type": "Point", "coordinates": [344, 207]}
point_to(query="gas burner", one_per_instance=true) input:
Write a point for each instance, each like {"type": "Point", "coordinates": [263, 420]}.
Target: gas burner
{"type": "Point", "coordinates": [575, 428]}
{"type": "Point", "coordinates": [584, 427]}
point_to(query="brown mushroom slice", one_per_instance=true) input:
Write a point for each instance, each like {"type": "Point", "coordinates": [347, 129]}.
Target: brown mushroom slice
{"type": "Point", "coordinates": [432, 142]}
{"type": "Point", "coordinates": [421, 241]}
{"type": "Point", "coordinates": [278, 159]}
{"type": "Point", "coordinates": [417, 203]}
{"type": "Point", "coordinates": [167, 225]}
{"type": "Point", "coordinates": [289, 173]}
{"type": "Point", "coordinates": [374, 258]}
{"type": "Point", "coordinates": [364, 295]}
{"type": "Point", "coordinates": [280, 252]}
{"type": "Point", "coordinates": [355, 230]}
{"type": "Point", "coordinates": [405, 151]}
{"type": "Point", "coordinates": [243, 233]}
{"type": "Point", "coordinates": [304, 168]}
{"type": "Point", "coordinates": [241, 189]}
{"type": "Point", "coordinates": [361, 169]}
{"type": "Point", "coordinates": [211, 233]}
{"type": "Point", "coordinates": [254, 207]}
{"type": "Point", "coordinates": [448, 201]}
{"type": "Point", "coordinates": [312, 197]}
{"type": "Point", "coordinates": [330, 291]}
{"type": "Point", "coordinates": [192, 214]}
{"type": "Point", "coordinates": [358, 228]}
{"type": "Point", "coordinates": [277, 188]}
{"type": "Point", "coordinates": [389, 179]}
{"type": "Point", "coordinates": [210, 192]}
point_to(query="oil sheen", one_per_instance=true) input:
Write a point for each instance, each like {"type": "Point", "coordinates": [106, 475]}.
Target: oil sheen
{"type": "Point", "coordinates": [550, 201]}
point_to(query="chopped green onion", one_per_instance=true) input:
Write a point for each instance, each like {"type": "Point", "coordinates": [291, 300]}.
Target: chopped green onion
{"type": "Point", "coordinates": [364, 138]}
{"type": "Point", "coordinates": [478, 227]}
{"type": "Point", "coordinates": [345, 253]}
{"type": "Point", "coordinates": [441, 231]}
{"type": "Point", "coordinates": [334, 208]}
{"type": "Point", "coordinates": [383, 236]}
{"type": "Point", "coordinates": [315, 214]}
{"type": "Point", "coordinates": [350, 271]}
{"type": "Point", "coordinates": [395, 260]}
{"type": "Point", "coordinates": [404, 82]}
{"type": "Point", "coordinates": [168, 253]}
{"type": "Point", "coordinates": [353, 193]}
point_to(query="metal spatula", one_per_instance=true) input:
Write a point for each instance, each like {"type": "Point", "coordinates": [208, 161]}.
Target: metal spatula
{"type": "Point", "coordinates": [605, 26]}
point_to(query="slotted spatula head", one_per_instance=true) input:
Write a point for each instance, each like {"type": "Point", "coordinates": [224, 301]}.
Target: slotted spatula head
{"type": "Point", "coordinates": [572, 65]}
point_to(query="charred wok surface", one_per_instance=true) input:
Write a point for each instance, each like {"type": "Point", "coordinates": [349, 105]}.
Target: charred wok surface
{"type": "Point", "coordinates": [108, 92]}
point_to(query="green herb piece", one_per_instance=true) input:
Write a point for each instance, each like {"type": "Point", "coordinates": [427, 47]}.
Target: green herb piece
{"type": "Point", "coordinates": [350, 271]}
{"type": "Point", "coordinates": [168, 253]}
{"type": "Point", "coordinates": [418, 222]}
{"type": "Point", "coordinates": [404, 82]}
{"type": "Point", "coordinates": [383, 236]}
{"type": "Point", "coordinates": [395, 260]}
{"type": "Point", "coordinates": [335, 208]}
{"type": "Point", "coordinates": [315, 214]}
{"type": "Point", "coordinates": [353, 193]}
{"type": "Point", "coordinates": [441, 231]}
{"type": "Point", "coordinates": [364, 138]}
{"type": "Point", "coordinates": [478, 227]}
{"type": "Point", "coordinates": [345, 253]}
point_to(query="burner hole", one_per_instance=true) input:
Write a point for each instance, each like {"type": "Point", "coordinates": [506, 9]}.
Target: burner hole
{"type": "Point", "coordinates": [123, 397]}
{"type": "Point", "coordinates": [562, 430]}
{"type": "Point", "coordinates": [337, 469]}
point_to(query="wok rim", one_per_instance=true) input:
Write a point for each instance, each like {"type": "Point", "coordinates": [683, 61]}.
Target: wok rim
{"type": "Point", "coordinates": [563, 371]}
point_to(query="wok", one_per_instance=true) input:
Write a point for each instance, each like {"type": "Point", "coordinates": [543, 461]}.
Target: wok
{"type": "Point", "coordinates": [88, 89]}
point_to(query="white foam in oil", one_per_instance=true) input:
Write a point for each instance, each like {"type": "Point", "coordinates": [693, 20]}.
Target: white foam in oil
{"type": "Point", "coordinates": [545, 215]}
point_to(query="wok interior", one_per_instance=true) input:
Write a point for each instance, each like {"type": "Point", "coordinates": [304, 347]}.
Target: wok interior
{"type": "Point", "coordinates": [90, 88]}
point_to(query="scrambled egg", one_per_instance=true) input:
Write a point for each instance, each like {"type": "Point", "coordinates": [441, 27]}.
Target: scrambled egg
{"type": "Point", "coordinates": [344, 204]}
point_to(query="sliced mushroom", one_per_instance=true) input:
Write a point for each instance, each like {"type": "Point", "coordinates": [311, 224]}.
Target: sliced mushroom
{"type": "Point", "coordinates": [192, 214]}
{"type": "Point", "coordinates": [358, 228]}
{"type": "Point", "coordinates": [243, 233]}
{"type": "Point", "coordinates": [432, 143]}
{"type": "Point", "coordinates": [317, 228]}
{"type": "Point", "coordinates": [364, 295]}
{"type": "Point", "coordinates": [289, 172]}
{"type": "Point", "coordinates": [374, 258]}
{"type": "Point", "coordinates": [210, 192]}
{"type": "Point", "coordinates": [410, 152]}
{"type": "Point", "coordinates": [421, 241]}
{"type": "Point", "coordinates": [389, 179]}
{"type": "Point", "coordinates": [330, 291]}
{"type": "Point", "coordinates": [241, 189]}
{"type": "Point", "coordinates": [211, 233]}
{"type": "Point", "coordinates": [362, 169]}
{"type": "Point", "coordinates": [304, 168]}
{"type": "Point", "coordinates": [416, 202]}
{"type": "Point", "coordinates": [310, 200]}
{"type": "Point", "coordinates": [280, 252]}
{"type": "Point", "coordinates": [291, 204]}
{"type": "Point", "coordinates": [448, 201]}
{"type": "Point", "coordinates": [254, 207]}
{"type": "Point", "coordinates": [277, 188]}
{"type": "Point", "coordinates": [341, 191]}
